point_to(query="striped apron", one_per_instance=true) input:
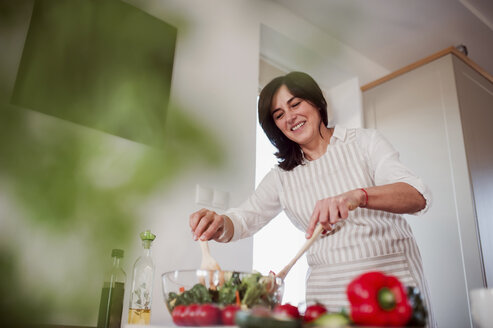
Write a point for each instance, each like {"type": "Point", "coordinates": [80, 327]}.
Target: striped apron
{"type": "Point", "coordinates": [367, 240]}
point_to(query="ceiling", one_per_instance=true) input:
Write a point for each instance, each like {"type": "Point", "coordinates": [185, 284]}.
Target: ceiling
{"type": "Point", "coordinates": [396, 33]}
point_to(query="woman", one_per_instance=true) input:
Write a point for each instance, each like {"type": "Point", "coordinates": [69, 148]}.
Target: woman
{"type": "Point", "coordinates": [349, 180]}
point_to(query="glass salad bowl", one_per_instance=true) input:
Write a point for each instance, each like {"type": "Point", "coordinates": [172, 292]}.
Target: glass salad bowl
{"type": "Point", "coordinates": [222, 288]}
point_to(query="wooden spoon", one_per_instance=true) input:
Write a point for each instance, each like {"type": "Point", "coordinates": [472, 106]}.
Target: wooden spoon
{"type": "Point", "coordinates": [284, 272]}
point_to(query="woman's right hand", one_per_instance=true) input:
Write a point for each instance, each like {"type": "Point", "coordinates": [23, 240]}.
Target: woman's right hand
{"type": "Point", "coordinates": [207, 224]}
{"type": "Point", "coordinates": [330, 210]}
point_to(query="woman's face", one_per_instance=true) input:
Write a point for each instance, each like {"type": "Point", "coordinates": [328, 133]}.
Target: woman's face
{"type": "Point", "coordinates": [297, 118]}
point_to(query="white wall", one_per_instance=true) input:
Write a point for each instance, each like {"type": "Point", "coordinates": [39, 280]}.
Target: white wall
{"type": "Point", "coordinates": [346, 103]}
{"type": "Point", "coordinates": [327, 59]}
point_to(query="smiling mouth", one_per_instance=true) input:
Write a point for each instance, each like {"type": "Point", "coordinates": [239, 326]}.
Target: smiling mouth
{"type": "Point", "coordinates": [297, 126]}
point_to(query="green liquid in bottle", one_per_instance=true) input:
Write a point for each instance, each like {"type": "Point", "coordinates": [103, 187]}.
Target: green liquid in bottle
{"type": "Point", "coordinates": [111, 306]}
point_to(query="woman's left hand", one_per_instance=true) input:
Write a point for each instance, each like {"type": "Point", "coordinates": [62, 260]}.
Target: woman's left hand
{"type": "Point", "coordinates": [330, 210]}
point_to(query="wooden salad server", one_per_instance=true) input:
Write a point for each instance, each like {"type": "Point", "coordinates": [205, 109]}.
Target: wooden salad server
{"type": "Point", "coordinates": [316, 233]}
{"type": "Point", "coordinates": [210, 264]}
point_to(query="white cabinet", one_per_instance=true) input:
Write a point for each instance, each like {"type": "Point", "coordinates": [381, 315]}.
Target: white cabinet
{"type": "Point", "coordinates": [438, 113]}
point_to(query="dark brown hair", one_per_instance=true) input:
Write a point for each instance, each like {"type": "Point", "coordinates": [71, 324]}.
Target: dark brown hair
{"type": "Point", "coordinates": [300, 85]}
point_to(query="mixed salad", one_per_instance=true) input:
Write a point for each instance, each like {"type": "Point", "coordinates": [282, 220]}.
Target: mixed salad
{"type": "Point", "coordinates": [375, 299]}
{"type": "Point", "coordinates": [245, 291]}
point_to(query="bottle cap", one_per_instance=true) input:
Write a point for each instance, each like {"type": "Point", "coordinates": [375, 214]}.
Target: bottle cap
{"type": "Point", "coordinates": [117, 253]}
{"type": "Point", "coordinates": [147, 235]}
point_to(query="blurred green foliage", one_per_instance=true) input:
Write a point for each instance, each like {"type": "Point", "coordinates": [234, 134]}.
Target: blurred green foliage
{"type": "Point", "coordinates": [69, 181]}
{"type": "Point", "coordinates": [86, 138]}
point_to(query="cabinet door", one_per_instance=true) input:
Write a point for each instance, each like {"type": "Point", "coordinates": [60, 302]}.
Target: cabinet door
{"type": "Point", "coordinates": [475, 95]}
{"type": "Point", "coordinates": [418, 112]}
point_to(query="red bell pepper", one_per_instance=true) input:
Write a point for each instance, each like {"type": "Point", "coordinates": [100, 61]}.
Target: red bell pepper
{"type": "Point", "coordinates": [378, 299]}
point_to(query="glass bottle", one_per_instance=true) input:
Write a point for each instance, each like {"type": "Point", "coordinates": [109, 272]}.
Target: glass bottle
{"type": "Point", "coordinates": [111, 304]}
{"type": "Point", "coordinates": [139, 311]}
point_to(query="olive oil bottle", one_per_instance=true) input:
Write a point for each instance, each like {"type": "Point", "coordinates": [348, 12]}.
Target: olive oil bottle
{"type": "Point", "coordinates": [111, 304]}
{"type": "Point", "coordinates": [139, 310]}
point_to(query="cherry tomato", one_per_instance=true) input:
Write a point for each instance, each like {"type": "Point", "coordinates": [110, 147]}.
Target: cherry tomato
{"type": "Point", "coordinates": [178, 315]}
{"type": "Point", "coordinates": [228, 315]}
{"type": "Point", "coordinates": [288, 310]}
{"type": "Point", "coordinates": [189, 315]}
{"type": "Point", "coordinates": [207, 315]}
{"type": "Point", "coordinates": [313, 312]}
